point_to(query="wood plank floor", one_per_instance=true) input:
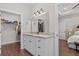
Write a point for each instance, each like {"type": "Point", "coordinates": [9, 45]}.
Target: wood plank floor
{"type": "Point", "coordinates": [65, 51]}
{"type": "Point", "coordinates": [13, 50]}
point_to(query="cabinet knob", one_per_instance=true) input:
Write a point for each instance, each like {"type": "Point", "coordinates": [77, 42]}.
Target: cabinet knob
{"type": "Point", "coordinates": [38, 40]}
{"type": "Point", "coordinates": [57, 35]}
{"type": "Point", "coordinates": [30, 41]}
{"type": "Point", "coordinates": [38, 55]}
{"type": "Point", "coordinates": [38, 47]}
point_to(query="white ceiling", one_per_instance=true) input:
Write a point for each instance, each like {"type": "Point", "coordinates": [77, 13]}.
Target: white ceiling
{"type": "Point", "coordinates": [30, 4]}
{"type": "Point", "coordinates": [65, 7]}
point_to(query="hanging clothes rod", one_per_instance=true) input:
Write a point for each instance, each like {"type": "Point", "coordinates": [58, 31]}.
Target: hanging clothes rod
{"type": "Point", "coordinates": [8, 22]}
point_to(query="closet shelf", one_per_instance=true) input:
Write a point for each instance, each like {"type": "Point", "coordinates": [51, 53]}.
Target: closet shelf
{"type": "Point", "coordinates": [8, 22]}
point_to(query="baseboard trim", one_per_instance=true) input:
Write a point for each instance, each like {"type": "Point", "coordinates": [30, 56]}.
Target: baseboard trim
{"type": "Point", "coordinates": [10, 42]}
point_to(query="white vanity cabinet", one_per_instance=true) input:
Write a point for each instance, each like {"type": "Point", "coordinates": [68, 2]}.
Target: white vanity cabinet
{"type": "Point", "coordinates": [44, 47]}
{"type": "Point", "coordinates": [29, 44]}
{"type": "Point", "coordinates": [39, 46]}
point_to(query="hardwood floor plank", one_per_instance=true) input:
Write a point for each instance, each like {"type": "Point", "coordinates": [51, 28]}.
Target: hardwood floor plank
{"type": "Point", "coordinates": [65, 51]}
{"type": "Point", "coordinates": [13, 50]}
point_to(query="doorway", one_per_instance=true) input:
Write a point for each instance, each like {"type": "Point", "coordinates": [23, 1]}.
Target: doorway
{"type": "Point", "coordinates": [10, 32]}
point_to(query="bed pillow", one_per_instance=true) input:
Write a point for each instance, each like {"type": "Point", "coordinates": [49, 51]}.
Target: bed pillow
{"type": "Point", "coordinates": [76, 32]}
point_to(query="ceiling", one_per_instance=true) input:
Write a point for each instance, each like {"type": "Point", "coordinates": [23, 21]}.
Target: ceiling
{"type": "Point", "coordinates": [31, 5]}
{"type": "Point", "coordinates": [66, 7]}
{"type": "Point", "coordinates": [63, 8]}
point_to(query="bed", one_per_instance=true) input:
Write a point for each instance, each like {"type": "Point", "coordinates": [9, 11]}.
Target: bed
{"type": "Point", "coordinates": [72, 39]}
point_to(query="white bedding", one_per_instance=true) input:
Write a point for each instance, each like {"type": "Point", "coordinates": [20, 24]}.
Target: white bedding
{"type": "Point", "coordinates": [74, 38]}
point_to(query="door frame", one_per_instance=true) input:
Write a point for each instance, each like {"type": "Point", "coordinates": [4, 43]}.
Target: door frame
{"type": "Point", "coordinates": [21, 17]}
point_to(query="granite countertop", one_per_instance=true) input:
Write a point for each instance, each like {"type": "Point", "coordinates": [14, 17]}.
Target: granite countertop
{"type": "Point", "coordinates": [42, 35]}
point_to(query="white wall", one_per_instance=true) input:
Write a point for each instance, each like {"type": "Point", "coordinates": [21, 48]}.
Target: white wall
{"type": "Point", "coordinates": [17, 7]}
{"type": "Point", "coordinates": [21, 8]}
{"type": "Point", "coordinates": [24, 9]}
{"type": "Point", "coordinates": [68, 23]}
{"type": "Point", "coordinates": [62, 26]}
{"type": "Point", "coordinates": [53, 21]}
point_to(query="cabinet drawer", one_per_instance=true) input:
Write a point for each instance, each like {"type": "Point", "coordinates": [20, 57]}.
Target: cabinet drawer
{"type": "Point", "coordinates": [40, 43]}
{"type": "Point", "coordinates": [26, 42]}
{"type": "Point", "coordinates": [40, 47]}
{"type": "Point", "coordinates": [45, 47]}
{"type": "Point", "coordinates": [40, 51]}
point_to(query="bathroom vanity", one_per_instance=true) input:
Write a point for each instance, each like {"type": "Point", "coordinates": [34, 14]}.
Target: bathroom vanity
{"type": "Point", "coordinates": [40, 41]}
{"type": "Point", "coordinates": [39, 44]}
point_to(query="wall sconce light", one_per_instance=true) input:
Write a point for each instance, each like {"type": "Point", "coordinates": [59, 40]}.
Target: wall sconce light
{"type": "Point", "coordinates": [35, 13]}
{"type": "Point", "coordinates": [38, 12]}
{"type": "Point", "coordinates": [41, 10]}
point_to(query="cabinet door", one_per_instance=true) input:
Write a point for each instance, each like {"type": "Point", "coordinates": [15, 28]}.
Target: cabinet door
{"type": "Point", "coordinates": [32, 45]}
{"type": "Point", "coordinates": [29, 44]}
{"type": "Point", "coordinates": [25, 42]}
{"type": "Point", "coordinates": [48, 47]}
